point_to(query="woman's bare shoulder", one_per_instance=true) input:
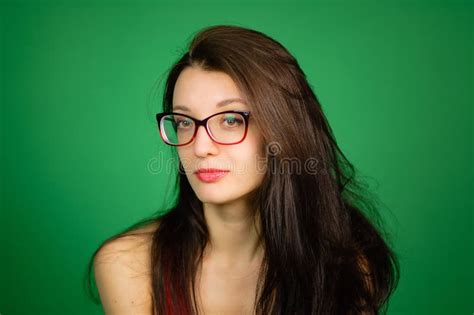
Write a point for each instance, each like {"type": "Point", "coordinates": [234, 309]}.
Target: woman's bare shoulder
{"type": "Point", "coordinates": [132, 247]}
{"type": "Point", "coordinates": [144, 231]}
{"type": "Point", "coordinates": [123, 274]}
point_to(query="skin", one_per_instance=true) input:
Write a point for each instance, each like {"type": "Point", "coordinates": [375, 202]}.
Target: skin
{"type": "Point", "coordinates": [232, 259]}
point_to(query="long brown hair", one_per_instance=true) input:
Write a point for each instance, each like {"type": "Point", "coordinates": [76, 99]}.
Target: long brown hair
{"type": "Point", "coordinates": [316, 222]}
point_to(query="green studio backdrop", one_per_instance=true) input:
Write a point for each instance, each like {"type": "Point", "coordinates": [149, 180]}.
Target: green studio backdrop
{"type": "Point", "coordinates": [80, 154]}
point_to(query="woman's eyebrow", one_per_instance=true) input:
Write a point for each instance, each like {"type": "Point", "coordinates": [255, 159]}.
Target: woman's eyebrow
{"type": "Point", "coordinates": [219, 104]}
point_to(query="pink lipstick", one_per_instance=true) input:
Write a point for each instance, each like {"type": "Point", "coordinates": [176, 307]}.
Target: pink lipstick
{"type": "Point", "coordinates": [210, 175]}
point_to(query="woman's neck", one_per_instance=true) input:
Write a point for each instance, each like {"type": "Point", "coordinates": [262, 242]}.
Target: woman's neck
{"type": "Point", "coordinates": [234, 235]}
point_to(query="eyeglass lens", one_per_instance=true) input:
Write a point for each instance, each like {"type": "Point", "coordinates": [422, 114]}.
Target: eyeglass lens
{"type": "Point", "coordinates": [224, 128]}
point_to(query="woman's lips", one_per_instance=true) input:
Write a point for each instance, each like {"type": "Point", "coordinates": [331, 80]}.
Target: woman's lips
{"type": "Point", "coordinates": [210, 175]}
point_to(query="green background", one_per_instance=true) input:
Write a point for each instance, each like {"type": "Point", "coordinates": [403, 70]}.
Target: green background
{"type": "Point", "coordinates": [79, 147]}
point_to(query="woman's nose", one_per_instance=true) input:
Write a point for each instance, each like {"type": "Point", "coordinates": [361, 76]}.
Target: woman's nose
{"type": "Point", "coordinates": [203, 144]}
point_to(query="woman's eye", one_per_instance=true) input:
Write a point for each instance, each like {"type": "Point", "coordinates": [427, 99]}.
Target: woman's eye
{"type": "Point", "coordinates": [232, 121]}
{"type": "Point", "coordinates": [183, 123]}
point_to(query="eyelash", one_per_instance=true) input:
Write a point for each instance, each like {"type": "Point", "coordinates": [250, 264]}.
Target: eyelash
{"type": "Point", "coordinates": [237, 120]}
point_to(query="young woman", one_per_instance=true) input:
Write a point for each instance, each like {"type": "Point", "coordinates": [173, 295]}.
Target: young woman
{"type": "Point", "coordinates": [269, 216]}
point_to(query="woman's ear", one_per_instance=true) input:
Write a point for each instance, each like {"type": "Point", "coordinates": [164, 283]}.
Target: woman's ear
{"type": "Point", "coordinates": [181, 168]}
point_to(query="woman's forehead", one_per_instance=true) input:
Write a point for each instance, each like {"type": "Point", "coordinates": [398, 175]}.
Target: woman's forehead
{"type": "Point", "coordinates": [198, 89]}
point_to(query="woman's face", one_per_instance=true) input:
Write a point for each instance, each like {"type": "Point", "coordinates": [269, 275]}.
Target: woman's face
{"type": "Point", "coordinates": [199, 92]}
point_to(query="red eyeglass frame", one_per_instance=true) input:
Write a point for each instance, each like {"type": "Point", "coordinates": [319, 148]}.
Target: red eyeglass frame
{"type": "Point", "coordinates": [203, 122]}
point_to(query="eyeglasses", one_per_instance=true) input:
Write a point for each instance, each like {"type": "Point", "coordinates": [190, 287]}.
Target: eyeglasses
{"type": "Point", "coordinates": [229, 127]}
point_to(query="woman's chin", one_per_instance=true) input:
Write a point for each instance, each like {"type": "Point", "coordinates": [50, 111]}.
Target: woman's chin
{"type": "Point", "coordinates": [214, 198]}
{"type": "Point", "coordinates": [216, 195]}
